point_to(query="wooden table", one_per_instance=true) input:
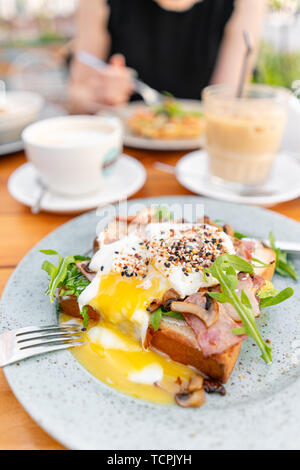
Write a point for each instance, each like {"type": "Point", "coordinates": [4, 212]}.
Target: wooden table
{"type": "Point", "coordinates": [19, 231]}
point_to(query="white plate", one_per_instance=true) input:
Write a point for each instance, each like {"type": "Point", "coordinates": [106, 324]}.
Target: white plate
{"type": "Point", "coordinates": [192, 172]}
{"type": "Point", "coordinates": [132, 140]}
{"type": "Point", "coordinates": [49, 110]}
{"type": "Point", "coordinates": [126, 178]}
{"type": "Point", "coordinates": [11, 147]}
{"type": "Point", "coordinates": [260, 411]}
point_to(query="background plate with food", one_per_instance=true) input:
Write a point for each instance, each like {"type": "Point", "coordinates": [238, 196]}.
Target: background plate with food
{"type": "Point", "coordinates": [174, 125]}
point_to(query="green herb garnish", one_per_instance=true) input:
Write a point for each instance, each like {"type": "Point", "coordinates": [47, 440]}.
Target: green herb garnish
{"type": "Point", "coordinates": [268, 295]}
{"type": "Point", "coordinates": [64, 274]}
{"type": "Point", "coordinates": [173, 109]}
{"type": "Point", "coordinates": [225, 269]}
{"type": "Point", "coordinates": [261, 264]}
{"type": "Point", "coordinates": [267, 290]}
{"type": "Point", "coordinates": [177, 315]}
{"type": "Point", "coordinates": [283, 266]}
{"type": "Point", "coordinates": [75, 282]}
{"type": "Point", "coordinates": [219, 221]}
{"type": "Point", "coordinates": [276, 299]}
{"type": "Point", "coordinates": [85, 316]}
{"type": "Point", "coordinates": [163, 214]}
{"type": "Point", "coordinates": [157, 315]}
{"type": "Point", "coordinates": [239, 235]}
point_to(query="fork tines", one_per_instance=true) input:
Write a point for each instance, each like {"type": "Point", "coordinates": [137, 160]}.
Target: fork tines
{"type": "Point", "coordinates": [48, 335]}
{"type": "Point", "coordinates": [16, 345]}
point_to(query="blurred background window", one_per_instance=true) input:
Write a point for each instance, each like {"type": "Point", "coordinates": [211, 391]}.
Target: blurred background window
{"type": "Point", "coordinates": [36, 45]}
{"type": "Point", "coordinates": [279, 56]}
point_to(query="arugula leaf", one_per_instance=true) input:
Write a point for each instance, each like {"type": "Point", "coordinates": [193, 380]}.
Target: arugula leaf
{"type": "Point", "coordinates": [171, 108]}
{"type": "Point", "coordinates": [49, 252]}
{"type": "Point", "coordinates": [75, 282]}
{"type": "Point", "coordinates": [162, 214]}
{"type": "Point", "coordinates": [49, 268]}
{"type": "Point", "coordinates": [157, 315]}
{"type": "Point", "coordinates": [283, 266]}
{"type": "Point", "coordinates": [85, 316]}
{"type": "Point", "coordinates": [224, 269]}
{"type": "Point", "coordinates": [177, 315]}
{"type": "Point", "coordinates": [58, 274]}
{"type": "Point", "coordinates": [219, 221]}
{"type": "Point", "coordinates": [276, 299]}
{"type": "Point", "coordinates": [239, 235]}
{"type": "Point", "coordinates": [261, 263]}
{"type": "Point", "coordinates": [267, 290]}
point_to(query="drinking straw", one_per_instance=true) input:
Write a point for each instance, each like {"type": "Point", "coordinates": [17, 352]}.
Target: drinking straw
{"type": "Point", "coordinates": [245, 63]}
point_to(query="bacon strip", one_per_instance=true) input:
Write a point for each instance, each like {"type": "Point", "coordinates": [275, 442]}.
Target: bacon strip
{"type": "Point", "coordinates": [244, 248]}
{"type": "Point", "coordinates": [217, 338]}
{"type": "Point", "coordinates": [250, 286]}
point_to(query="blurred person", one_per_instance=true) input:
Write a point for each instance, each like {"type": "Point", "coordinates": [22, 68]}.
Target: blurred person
{"type": "Point", "coordinates": [179, 46]}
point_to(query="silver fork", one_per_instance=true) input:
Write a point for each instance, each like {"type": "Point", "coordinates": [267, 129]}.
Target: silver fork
{"type": "Point", "coordinates": [22, 343]}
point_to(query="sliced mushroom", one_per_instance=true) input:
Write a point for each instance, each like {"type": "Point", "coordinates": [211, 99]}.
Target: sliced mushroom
{"type": "Point", "coordinates": [96, 245]}
{"type": "Point", "coordinates": [212, 386]}
{"type": "Point", "coordinates": [155, 304]}
{"type": "Point", "coordinates": [229, 230]}
{"type": "Point", "coordinates": [169, 296]}
{"type": "Point", "coordinates": [83, 267]}
{"type": "Point", "coordinates": [195, 383]}
{"type": "Point", "coordinates": [190, 399]}
{"type": "Point", "coordinates": [165, 302]}
{"type": "Point", "coordinates": [209, 316]}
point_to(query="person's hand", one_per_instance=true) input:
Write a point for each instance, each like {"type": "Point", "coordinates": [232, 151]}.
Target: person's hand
{"type": "Point", "coordinates": [110, 86]}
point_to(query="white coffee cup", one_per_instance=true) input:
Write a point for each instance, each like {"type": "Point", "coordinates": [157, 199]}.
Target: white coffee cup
{"type": "Point", "coordinates": [69, 152]}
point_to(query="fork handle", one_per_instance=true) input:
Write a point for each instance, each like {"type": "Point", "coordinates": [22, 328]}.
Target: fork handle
{"type": "Point", "coordinates": [5, 360]}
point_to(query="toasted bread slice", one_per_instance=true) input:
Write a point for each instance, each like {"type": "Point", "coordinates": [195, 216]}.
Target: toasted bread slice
{"type": "Point", "coordinates": [176, 339]}
{"type": "Point", "coordinates": [267, 256]}
{"type": "Point", "coordinates": [69, 306]}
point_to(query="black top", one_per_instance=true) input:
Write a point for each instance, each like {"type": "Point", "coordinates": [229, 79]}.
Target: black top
{"type": "Point", "coordinates": [172, 51]}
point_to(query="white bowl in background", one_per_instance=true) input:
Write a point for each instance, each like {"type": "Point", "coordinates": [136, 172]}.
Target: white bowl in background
{"type": "Point", "coordinates": [69, 152]}
{"type": "Point", "coordinates": [18, 111]}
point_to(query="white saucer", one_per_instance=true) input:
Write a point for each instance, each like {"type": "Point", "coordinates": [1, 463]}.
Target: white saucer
{"type": "Point", "coordinates": [192, 172]}
{"type": "Point", "coordinates": [126, 178]}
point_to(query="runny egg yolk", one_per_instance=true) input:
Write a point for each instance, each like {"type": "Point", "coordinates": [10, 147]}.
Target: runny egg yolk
{"type": "Point", "coordinates": [113, 351]}
{"type": "Point", "coordinates": [123, 301]}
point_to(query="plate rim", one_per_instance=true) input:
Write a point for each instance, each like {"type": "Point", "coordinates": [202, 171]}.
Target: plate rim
{"type": "Point", "coordinates": [69, 442]}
